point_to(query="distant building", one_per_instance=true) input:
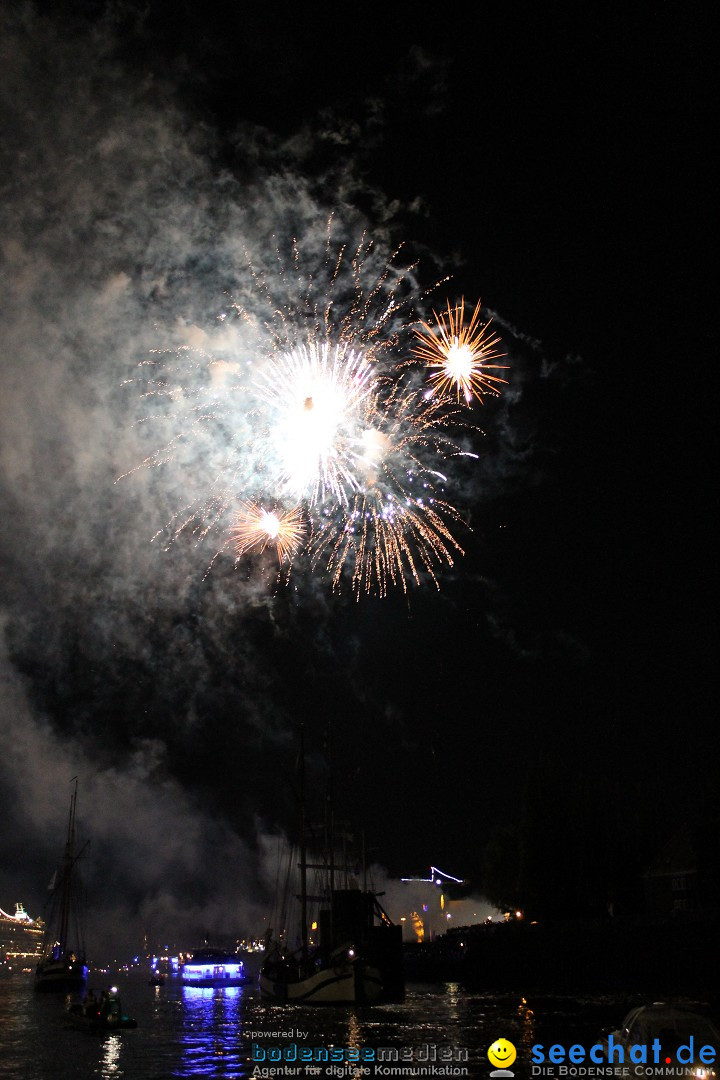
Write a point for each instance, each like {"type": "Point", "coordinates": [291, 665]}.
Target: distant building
{"type": "Point", "coordinates": [683, 879]}
{"type": "Point", "coordinates": [433, 904]}
{"type": "Point", "coordinates": [671, 880]}
{"type": "Point", "coordinates": [20, 938]}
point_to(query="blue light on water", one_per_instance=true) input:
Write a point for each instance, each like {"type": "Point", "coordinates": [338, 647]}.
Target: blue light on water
{"type": "Point", "coordinates": [196, 996]}
{"type": "Point", "coordinates": [210, 1038]}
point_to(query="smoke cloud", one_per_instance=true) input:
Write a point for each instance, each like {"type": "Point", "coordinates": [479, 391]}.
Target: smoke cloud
{"type": "Point", "coordinates": [126, 234]}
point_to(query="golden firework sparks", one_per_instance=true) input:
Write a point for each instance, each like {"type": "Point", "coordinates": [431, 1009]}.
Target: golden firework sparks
{"type": "Point", "coordinates": [301, 407]}
{"type": "Point", "coordinates": [460, 354]}
{"type": "Point", "coordinates": [386, 541]}
{"type": "Point", "coordinates": [256, 527]}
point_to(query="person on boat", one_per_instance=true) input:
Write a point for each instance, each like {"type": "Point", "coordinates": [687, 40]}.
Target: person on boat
{"type": "Point", "coordinates": [109, 1011]}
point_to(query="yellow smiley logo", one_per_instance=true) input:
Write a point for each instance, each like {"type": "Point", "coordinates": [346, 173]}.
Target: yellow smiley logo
{"type": "Point", "coordinates": [502, 1053]}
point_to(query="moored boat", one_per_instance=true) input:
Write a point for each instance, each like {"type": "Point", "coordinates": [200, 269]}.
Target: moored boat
{"type": "Point", "coordinates": [62, 968]}
{"type": "Point", "coordinates": [349, 950]}
{"type": "Point", "coordinates": [341, 978]}
{"type": "Point", "coordinates": [62, 972]}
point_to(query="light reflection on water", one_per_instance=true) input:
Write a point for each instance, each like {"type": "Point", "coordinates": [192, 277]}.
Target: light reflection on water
{"type": "Point", "coordinates": [526, 1030]}
{"type": "Point", "coordinates": [211, 1022]}
{"type": "Point", "coordinates": [112, 1048]}
{"type": "Point", "coordinates": [192, 1031]}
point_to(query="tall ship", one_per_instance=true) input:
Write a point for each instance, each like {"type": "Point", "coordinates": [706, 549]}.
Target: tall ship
{"type": "Point", "coordinates": [356, 958]}
{"type": "Point", "coordinates": [62, 967]}
{"type": "Point", "coordinates": [21, 939]}
{"type": "Point", "coordinates": [340, 948]}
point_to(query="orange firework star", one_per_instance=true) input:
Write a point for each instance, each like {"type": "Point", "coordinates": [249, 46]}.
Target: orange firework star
{"type": "Point", "coordinates": [257, 527]}
{"type": "Point", "coordinates": [461, 353]}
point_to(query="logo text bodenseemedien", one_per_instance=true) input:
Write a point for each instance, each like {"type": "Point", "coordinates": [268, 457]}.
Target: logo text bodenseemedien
{"type": "Point", "coordinates": [428, 1052]}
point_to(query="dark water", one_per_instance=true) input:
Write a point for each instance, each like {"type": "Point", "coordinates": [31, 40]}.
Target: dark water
{"type": "Point", "coordinates": [185, 1032]}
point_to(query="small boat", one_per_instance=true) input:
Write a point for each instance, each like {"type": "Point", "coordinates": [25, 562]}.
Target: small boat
{"type": "Point", "coordinates": [62, 968]}
{"type": "Point", "coordinates": [213, 967]}
{"type": "Point", "coordinates": [350, 952]}
{"type": "Point", "coordinates": [670, 1028]}
{"type": "Point", "coordinates": [104, 1014]}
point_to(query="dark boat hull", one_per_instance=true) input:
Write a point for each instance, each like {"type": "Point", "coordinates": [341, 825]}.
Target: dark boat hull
{"type": "Point", "coordinates": [60, 977]}
{"type": "Point", "coordinates": [78, 1018]}
{"type": "Point", "coordinates": [350, 984]}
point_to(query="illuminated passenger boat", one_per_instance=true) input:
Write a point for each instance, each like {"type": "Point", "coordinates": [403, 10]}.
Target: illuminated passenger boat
{"type": "Point", "coordinates": [212, 967]}
{"type": "Point", "coordinates": [21, 939]}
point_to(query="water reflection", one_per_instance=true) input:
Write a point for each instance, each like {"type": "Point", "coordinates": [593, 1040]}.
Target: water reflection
{"type": "Point", "coordinates": [194, 1032]}
{"type": "Point", "coordinates": [110, 1067]}
{"type": "Point", "coordinates": [210, 1040]}
{"type": "Point", "coordinates": [354, 1029]}
{"type": "Point", "coordinates": [356, 1039]}
{"type": "Point", "coordinates": [526, 1024]}
{"type": "Point", "coordinates": [452, 997]}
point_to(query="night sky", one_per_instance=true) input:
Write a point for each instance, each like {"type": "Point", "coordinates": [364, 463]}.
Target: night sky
{"type": "Point", "coordinates": [555, 696]}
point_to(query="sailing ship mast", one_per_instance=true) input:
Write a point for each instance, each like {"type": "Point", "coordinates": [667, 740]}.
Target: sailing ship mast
{"type": "Point", "coordinates": [63, 968]}
{"type": "Point", "coordinates": [354, 961]}
{"type": "Point", "coordinates": [66, 875]}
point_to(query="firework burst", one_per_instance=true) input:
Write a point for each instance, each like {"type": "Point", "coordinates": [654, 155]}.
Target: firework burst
{"type": "Point", "coordinates": [397, 525]}
{"type": "Point", "coordinates": [460, 354]}
{"type": "Point", "coordinates": [305, 431]}
{"type": "Point", "coordinates": [257, 528]}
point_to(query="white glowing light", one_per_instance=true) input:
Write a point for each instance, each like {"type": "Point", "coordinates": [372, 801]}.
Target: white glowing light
{"type": "Point", "coordinates": [270, 523]}
{"type": "Point", "coordinates": [256, 527]}
{"type": "Point", "coordinates": [374, 447]}
{"type": "Point", "coordinates": [459, 363]}
{"type": "Point", "coordinates": [318, 396]}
